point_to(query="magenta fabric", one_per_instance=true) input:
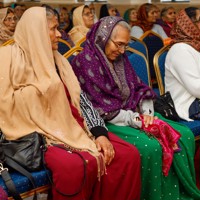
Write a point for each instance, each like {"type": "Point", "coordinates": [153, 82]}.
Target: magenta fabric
{"type": "Point", "coordinates": [168, 138]}
{"type": "Point", "coordinates": [3, 195]}
{"type": "Point", "coordinates": [197, 166]}
{"type": "Point", "coordinates": [107, 89]}
{"type": "Point", "coordinates": [121, 181]}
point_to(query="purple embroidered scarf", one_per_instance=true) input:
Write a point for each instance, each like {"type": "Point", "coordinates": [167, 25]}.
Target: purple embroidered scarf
{"type": "Point", "coordinates": [108, 89]}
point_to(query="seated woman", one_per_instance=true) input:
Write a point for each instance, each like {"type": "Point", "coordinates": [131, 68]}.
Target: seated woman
{"type": "Point", "coordinates": [147, 16]}
{"type": "Point", "coordinates": [182, 64]}
{"type": "Point", "coordinates": [130, 16]}
{"type": "Point", "coordinates": [8, 22]}
{"type": "Point", "coordinates": [83, 20]}
{"type": "Point", "coordinates": [65, 24]}
{"type": "Point", "coordinates": [65, 21]}
{"type": "Point", "coordinates": [93, 10]}
{"type": "Point", "coordinates": [168, 16]}
{"type": "Point", "coordinates": [107, 10]}
{"type": "Point", "coordinates": [41, 93]}
{"type": "Point", "coordinates": [111, 84]}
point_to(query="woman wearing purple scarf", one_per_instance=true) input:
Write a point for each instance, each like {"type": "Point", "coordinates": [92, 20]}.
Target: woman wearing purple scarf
{"type": "Point", "coordinates": [108, 79]}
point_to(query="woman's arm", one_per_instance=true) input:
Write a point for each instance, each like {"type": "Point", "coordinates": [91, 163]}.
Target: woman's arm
{"type": "Point", "coordinates": [136, 31]}
{"type": "Point", "coordinates": [94, 122]}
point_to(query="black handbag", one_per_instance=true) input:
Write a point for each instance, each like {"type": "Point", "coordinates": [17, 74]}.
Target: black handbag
{"type": "Point", "coordinates": [26, 150]}
{"type": "Point", "coordinates": [165, 106]}
{"type": "Point", "coordinates": [23, 155]}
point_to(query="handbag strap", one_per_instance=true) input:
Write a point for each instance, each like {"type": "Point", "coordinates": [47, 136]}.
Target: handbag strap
{"type": "Point", "coordinates": [84, 177]}
{"type": "Point", "coordinates": [23, 171]}
{"type": "Point", "coordinates": [6, 176]}
{"type": "Point", "coordinates": [9, 183]}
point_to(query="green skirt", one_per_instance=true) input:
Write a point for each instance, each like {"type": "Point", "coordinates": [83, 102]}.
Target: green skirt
{"type": "Point", "coordinates": [180, 184]}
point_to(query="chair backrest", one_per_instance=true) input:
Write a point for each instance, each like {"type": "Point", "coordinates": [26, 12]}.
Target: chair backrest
{"type": "Point", "coordinates": [154, 43]}
{"type": "Point", "coordinates": [139, 45]}
{"type": "Point", "coordinates": [11, 41]}
{"type": "Point", "coordinates": [72, 53]}
{"type": "Point", "coordinates": [140, 65]}
{"type": "Point", "coordinates": [159, 66]}
{"type": "Point", "coordinates": [63, 46]}
{"type": "Point", "coordinates": [81, 42]}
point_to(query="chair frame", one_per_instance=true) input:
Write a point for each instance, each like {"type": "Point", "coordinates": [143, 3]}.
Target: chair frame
{"type": "Point", "coordinates": [150, 32]}
{"type": "Point", "coordinates": [142, 42]}
{"type": "Point", "coordinates": [11, 41]}
{"type": "Point", "coordinates": [42, 189]}
{"type": "Point", "coordinates": [78, 44]}
{"type": "Point", "coordinates": [157, 68]}
{"type": "Point", "coordinates": [72, 51]}
{"type": "Point", "coordinates": [61, 41]}
{"type": "Point", "coordinates": [145, 59]}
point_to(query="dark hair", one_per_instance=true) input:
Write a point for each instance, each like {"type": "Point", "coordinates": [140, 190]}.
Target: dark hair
{"type": "Point", "coordinates": [50, 10]}
{"type": "Point", "coordinates": [164, 10]}
{"type": "Point", "coordinates": [191, 12]}
{"type": "Point", "coordinates": [86, 6]}
{"type": "Point", "coordinates": [10, 10]}
{"type": "Point", "coordinates": [148, 7]}
{"type": "Point", "coordinates": [104, 10]}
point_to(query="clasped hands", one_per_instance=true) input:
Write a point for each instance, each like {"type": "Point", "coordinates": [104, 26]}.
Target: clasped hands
{"type": "Point", "coordinates": [106, 147]}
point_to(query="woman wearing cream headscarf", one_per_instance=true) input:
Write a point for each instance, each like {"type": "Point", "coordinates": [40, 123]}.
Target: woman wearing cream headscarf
{"type": "Point", "coordinates": [41, 93]}
{"type": "Point", "coordinates": [8, 22]}
{"type": "Point", "coordinates": [83, 20]}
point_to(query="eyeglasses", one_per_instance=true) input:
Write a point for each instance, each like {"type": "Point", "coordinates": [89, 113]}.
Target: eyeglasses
{"type": "Point", "coordinates": [88, 14]}
{"type": "Point", "coordinates": [9, 19]}
{"type": "Point", "coordinates": [120, 46]}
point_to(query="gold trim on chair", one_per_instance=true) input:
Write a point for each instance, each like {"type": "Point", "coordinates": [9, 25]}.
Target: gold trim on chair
{"type": "Point", "coordinates": [11, 41]}
{"type": "Point", "coordinates": [140, 41]}
{"type": "Point", "coordinates": [150, 32]}
{"type": "Point", "coordinates": [157, 68]}
{"type": "Point", "coordinates": [42, 189]}
{"type": "Point", "coordinates": [145, 59]}
{"type": "Point", "coordinates": [65, 42]}
{"type": "Point", "coordinates": [73, 51]}
{"type": "Point", "coordinates": [78, 44]}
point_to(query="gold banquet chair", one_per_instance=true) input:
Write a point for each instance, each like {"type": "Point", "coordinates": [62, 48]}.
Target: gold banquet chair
{"type": "Point", "coordinates": [140, 64]}
{"type": "Point", "coordinates": [63, 46]}
{"type": "Point", "coordinates": [154, 43]}
{"type": "Point", "coordinates": [81, 42]}
{"type": "Point", "coordinates": [159, 67]}
{"type": "Point", "coordinates": [72, 53]}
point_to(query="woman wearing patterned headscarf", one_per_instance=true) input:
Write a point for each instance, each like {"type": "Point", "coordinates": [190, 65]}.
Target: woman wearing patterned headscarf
{"type": "Point", "coordinates": [83, 19]}
{"type": "Point", "coordinates": [41, 92]}
{"type": "Point", "coordinates": [126, 104]}
{"type": "Point", "coordinates": [8, 22]}
{"type": "Point", "coordinates": [147, 16]}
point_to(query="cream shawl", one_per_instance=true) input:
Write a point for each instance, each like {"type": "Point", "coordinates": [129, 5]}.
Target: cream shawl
{"type": "Point", "coordinates": [32, 96]}
{"type": "Point", "coordinates": [79, 30]}
{"type": "Point", "coordinates": [5, 34]}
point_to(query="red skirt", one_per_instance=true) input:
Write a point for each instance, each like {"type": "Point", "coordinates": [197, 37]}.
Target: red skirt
{"type": "Point", "coordinates": [122, 180]}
